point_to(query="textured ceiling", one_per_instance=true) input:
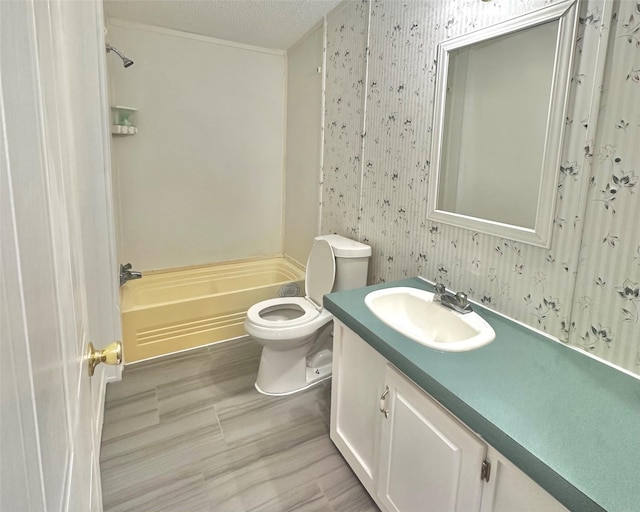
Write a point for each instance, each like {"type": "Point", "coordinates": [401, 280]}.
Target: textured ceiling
{"type": "Point", "coordinates": [266, 23]}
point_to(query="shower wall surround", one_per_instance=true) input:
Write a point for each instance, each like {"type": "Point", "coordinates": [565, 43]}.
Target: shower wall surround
{"type": "Point", "coordinates": [202, 180]}
{"type": "Point", "coordinates": [379, 106]}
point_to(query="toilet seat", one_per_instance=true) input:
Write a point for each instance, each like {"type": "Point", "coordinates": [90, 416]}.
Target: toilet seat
{"type": "Point", "coordinates": [319, 279]}
{"type": "Point", "coordinates": [289, 329]}
{"type": "Point", "coordinates": [309, 312]}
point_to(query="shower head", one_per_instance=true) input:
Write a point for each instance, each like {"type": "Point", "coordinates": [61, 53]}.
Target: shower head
{"type": "Point", "coordinates": [125, 60]}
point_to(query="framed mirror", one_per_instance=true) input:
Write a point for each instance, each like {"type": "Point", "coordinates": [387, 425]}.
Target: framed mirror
{"type": "Point", "coordinates": [500, 107]}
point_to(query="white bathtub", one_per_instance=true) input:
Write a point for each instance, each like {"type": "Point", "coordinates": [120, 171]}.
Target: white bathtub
{"type": "Point", "coordinates": [166, 312]}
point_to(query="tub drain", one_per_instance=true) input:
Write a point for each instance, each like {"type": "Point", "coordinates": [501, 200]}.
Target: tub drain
{"type": "Point", "coordinates": [289, 290]}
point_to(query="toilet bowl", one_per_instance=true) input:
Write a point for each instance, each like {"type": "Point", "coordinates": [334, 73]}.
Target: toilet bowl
{"type": "Point", "coordinates": [295, 332]}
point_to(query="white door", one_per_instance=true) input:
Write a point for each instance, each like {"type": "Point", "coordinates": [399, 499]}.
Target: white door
{"type": "Point", "coordinates": [58, 287]}
{"type": "Point", "coordinates": [429, 461]}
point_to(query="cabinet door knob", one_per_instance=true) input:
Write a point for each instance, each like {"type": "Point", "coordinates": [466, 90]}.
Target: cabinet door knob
{"type": "Point", "coordinates": [383, 398]}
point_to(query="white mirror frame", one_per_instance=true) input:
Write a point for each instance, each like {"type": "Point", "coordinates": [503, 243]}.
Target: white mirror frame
{"type": "Point", "coordinates": [540, 235]}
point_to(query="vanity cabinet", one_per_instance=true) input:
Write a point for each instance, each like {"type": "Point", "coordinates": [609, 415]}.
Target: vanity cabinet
{"type": "Point", "coordinates": [409, 452]}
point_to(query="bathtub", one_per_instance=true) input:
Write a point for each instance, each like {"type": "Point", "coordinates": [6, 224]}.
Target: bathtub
{"type": "Point", "coordinates": [169, 311]}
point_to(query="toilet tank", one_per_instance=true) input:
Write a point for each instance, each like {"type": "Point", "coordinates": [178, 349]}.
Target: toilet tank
{"type": "Point", "coordinates": [352, 262]}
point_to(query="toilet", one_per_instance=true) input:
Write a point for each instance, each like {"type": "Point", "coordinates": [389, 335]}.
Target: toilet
{"type": "Point", "coordinates": [296, 332]}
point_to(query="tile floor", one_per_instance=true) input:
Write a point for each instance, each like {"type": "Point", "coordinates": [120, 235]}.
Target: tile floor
{"type": "Point", "coordinates": [190, 433]}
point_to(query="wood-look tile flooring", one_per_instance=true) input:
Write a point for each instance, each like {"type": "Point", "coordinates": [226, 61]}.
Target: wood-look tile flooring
{"type": "Point", "coordinates": [189, 432]}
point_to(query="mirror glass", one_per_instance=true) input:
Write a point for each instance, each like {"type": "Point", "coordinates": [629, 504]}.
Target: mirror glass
{"type": "Point", "coordinates": [500, 107]}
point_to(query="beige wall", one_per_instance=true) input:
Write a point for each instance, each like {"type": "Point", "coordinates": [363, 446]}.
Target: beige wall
{"type": "Point", "coordinates": [202, 181]}
{"type": "Point", "coordinates": [303, 155]}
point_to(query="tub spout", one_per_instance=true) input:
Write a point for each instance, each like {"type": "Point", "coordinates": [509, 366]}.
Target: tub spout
{"type": "Point", "coordinates": [126, 274]}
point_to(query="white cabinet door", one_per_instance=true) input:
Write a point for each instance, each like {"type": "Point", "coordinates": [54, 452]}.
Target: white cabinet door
{"type": "Point", "coordinates": [428, 460]}
{"type": "Point", "coordinates": [510, 490]}
{"type": "Point", "coordinates": [358, 379]}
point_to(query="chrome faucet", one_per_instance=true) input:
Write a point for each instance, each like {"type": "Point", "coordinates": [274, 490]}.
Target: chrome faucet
{"type": "Point", "coordinates": [126, 274]}
{"type": "Point", "coordinates": [458, 302]}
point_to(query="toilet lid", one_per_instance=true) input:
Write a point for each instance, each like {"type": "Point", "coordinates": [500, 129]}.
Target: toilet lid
{"type": "Point", "coordinates": [321, 271]}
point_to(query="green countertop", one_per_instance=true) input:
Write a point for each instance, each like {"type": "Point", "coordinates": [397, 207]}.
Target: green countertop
{"type": "Point", "coordinates": [570, 422]}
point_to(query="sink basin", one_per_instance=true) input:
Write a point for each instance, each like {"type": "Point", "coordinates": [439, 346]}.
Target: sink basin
{"type": "Point", "coordinates": [413, 313]}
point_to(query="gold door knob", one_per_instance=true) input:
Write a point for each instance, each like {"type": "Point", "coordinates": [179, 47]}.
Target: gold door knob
{"type": "Point", "coordinates": [112, 354]}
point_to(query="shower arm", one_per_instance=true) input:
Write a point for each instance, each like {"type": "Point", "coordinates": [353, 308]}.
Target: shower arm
{"type": "Point", "coordinates": [125, 60]}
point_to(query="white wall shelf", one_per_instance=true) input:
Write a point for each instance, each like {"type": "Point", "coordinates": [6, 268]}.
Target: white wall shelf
{"type": "Point", "coordinates": [123, 120]}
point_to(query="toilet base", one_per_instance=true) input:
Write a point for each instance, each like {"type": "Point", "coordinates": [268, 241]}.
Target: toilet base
{"type": "Point", "coordinates": [307, 386]}
{"type": "Point", "coordinates": [286, 378]}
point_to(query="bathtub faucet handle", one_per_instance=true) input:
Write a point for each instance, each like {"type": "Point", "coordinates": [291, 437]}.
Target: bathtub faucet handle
{"type": "Point", "coordinates": [126, 274]}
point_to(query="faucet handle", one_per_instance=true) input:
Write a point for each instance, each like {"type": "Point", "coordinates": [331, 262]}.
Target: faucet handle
{"type": "Point", "coordinates": [125, 268]}
{"type": "Point", "coordinates": [440, 289]}
{"type": "Point", "coordinates": [461, 299]}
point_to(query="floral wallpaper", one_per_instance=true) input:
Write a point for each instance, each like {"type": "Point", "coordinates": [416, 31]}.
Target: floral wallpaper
{"type": "Point", "coordinates": [584, 289]}
{"type": "Point", "coordinates": [606, 309]}
{"type": "Point", "coordinates": [345, 67]}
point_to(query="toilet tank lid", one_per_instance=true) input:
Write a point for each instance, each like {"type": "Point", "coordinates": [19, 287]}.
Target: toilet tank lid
{"type": "Point", "coordinates": [345, 247]}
